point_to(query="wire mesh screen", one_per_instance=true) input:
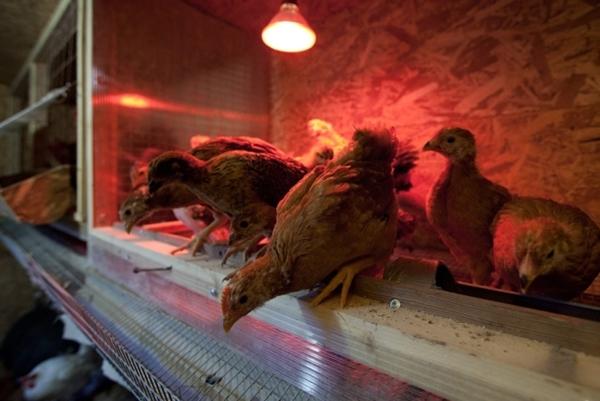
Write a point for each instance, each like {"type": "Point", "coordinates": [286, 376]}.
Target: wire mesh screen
{"type": "Point", "coordinates": [55, 140]}
{"type": "Point", "coordinates": [168, 358]}
{"type": "Point", "coordinates": [163, 73]}
{"type": "Point", "coordinates": [60, 51]}
{"type": "Point", "coordinates": [179, 363]}
{"type": "Point", "coordinates": [63, 66]}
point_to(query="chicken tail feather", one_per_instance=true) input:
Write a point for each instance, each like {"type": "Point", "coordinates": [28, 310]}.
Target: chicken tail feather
{"type": "Point", "coordinates": [374, 145]}
{"type": "Point", "coordinates": [404, 161]}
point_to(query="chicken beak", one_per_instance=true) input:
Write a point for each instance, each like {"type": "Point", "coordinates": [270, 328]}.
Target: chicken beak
{"type": "Point", "coordinates": [525, 283]}
{"type": "Point", "coordinates": [428, 147]}
{"type": "Point", "coordinates": [526, 275]}
{"type": "Point", "coordinates": [129, 226]}
{"type": "Point", "coordinates": [28, 381]}
{"type": "Point", "coordinates": [228, 323]}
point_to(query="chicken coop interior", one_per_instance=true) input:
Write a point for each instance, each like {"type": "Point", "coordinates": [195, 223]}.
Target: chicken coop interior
{"type": "Point", "coordinates": [310, 200]}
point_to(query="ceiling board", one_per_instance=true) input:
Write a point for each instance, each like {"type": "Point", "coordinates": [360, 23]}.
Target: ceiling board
{"type": "Point", "coordinates": [253, 15]}
{"type": "Point", "coordinates": [21, 22]}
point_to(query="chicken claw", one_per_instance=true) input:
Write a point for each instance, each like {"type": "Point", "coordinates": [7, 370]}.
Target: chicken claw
{"type": "Point", "coordinates": [345, 275]}
{"type": "Point", "coordinates": [193, 245]}
{"type": "Point", "coordinates": [200, 239]}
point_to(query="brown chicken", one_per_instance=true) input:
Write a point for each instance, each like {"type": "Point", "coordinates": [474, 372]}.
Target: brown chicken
{"type": "Point", "coordinates": [138, 176]}
{"type": "Point", "coordinates": [140, 205]}
{"type": "Point", "coordinates": [219, 145]}
{"type": "Point", "coordinates": [462, 203]}
{"type": "Point", "coordinates": [245, 186]}
{"type": "Point", "coordinates": [545, 248]}
{"type": "Point", "coordinates": [341, 218]}
{"type": "Point", "coordinates": [404, 161]}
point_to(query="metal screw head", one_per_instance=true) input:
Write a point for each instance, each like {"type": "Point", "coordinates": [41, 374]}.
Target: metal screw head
{"type": "Point", "coordinates": [394, 304]}
{"type": "Point", "coordinates": [214, 292]}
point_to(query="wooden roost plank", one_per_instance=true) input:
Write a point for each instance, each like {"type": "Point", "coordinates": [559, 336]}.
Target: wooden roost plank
{"type": "Point", "coordinates": [428, 350]}
{"type": "Point", "coordinates": [40, 199]}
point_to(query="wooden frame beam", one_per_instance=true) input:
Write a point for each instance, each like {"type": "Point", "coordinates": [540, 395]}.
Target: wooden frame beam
{"type": "Point", "coordinates": [456, 359]}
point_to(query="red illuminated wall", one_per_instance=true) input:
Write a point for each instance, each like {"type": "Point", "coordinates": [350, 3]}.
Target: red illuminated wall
{"type": "Point", "coordinates": [163, 72]}
{"type": "Point", "coordinates": [524, 76]}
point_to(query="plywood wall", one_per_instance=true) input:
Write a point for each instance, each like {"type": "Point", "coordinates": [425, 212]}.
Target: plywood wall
{"type": "Point", "coordinates": [524, 76]}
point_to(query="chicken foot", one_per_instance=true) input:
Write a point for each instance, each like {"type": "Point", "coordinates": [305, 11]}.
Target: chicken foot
{"type": "Point", "coordinates": [244, 245]}
{"type": "Point", "coordinates": [345, 275]}
{"type": "Point", "coordinates": [200, 239]}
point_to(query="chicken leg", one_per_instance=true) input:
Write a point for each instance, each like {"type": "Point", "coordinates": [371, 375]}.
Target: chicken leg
{"type": "Point", "coordinates": [200, 239]}
{"type": "Point", "coordinates": [480, 271]}
{"type": "Point", "coordinates": [244, 245]}
{"type": "Point", "coordinates": [345, 275]}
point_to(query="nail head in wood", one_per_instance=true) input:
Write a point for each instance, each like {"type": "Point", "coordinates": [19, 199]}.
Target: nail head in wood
{"type": "Point", "coordinates": [151, 269]}
{"type": "Point", "coordinates": [394, 304]}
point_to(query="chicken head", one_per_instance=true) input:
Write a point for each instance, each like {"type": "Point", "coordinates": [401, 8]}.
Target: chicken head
{"type": "Point", "coordinates": [455, 143]}
{"type": "Point", "coordinates": [133, 210]}
{"type": "Point", "coordinates": [172, 167]}
{"type": "Point", "coordinates": [542, 247]}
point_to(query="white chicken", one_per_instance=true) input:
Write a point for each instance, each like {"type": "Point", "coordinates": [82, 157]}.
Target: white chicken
{"type": "Point", "coordinates": [60, 377]}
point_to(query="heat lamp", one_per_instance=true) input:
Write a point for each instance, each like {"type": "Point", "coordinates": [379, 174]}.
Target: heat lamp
{"type": "Point", "coordinates": [288, 31]}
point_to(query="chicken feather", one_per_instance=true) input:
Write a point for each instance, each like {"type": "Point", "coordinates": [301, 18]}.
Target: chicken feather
{"type": "Point", "coordinates": [245, 186]}
{"type": "Point", "coordinates": [340, 218]}
{"type": "Point", "coordinates": [140, 205]}
{"type": "Point", "coordinates": [542, 247]}
{"type": "Point", "coordinates": [462, 203]}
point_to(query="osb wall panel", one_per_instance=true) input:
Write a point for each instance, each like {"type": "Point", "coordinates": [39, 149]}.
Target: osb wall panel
{"type": "Point", "coordinates": [164, 72]}
{"type": "Point", "coordinates": [524, 76]}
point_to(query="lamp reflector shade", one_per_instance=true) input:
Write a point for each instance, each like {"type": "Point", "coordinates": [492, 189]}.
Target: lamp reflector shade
{"type": "Point", "coordinates": [288, 31]}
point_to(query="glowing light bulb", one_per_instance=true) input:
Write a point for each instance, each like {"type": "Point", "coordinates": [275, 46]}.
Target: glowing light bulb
{"type": "Point", "coordinates": [288, 31]}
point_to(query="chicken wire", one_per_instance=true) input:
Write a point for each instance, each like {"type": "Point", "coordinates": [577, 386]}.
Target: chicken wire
{"type": "Point", "coordinates": [60, 50]}
{"type": "Point", "coordinates": [164, 358]}
{"type": "Point", "coordinates": [158, 84]}
{"type": "Point", "coordinates": [127, 330]}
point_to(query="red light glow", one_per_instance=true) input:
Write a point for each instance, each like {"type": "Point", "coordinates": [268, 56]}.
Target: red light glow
{"type": "Point", "coordinates": [134, 101]}
{"type": "Point", "coordinates": [288, 31]}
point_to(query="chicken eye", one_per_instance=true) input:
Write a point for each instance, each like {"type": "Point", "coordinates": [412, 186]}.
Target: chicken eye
{"type": "Point", "coordinates": [127, 213]}
{"type": "Point", "coordinates": [243, 224]}
{"type": "Point", "coordinates": [450, 139]}
{"type": "Point", "coordinates": [243, 299]}
{"type": "Point", "coordinates": [550, 254]}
